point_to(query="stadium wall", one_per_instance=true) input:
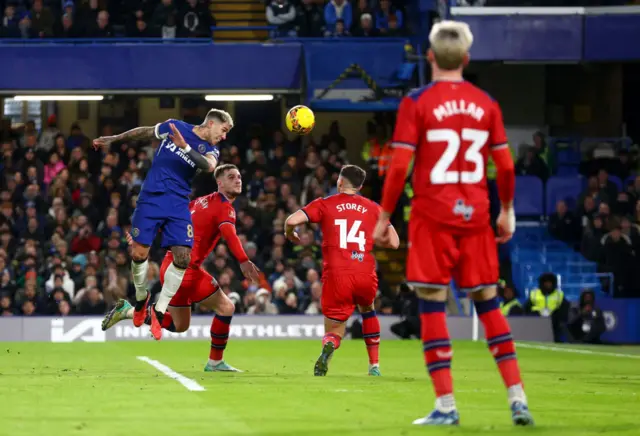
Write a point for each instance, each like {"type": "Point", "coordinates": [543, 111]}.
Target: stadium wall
{"type": "Point", "coordinates": [88, 329]}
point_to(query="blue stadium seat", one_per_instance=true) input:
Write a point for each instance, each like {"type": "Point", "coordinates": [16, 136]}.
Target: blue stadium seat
{"type": "Point", "coordinates": [565, 170]}
{"type": "Point", "coordinates": [616, 180]}
{"type": "Point", "coordinates": [562, 188]}
{"type": "Point", "coordinates": [528, 200]}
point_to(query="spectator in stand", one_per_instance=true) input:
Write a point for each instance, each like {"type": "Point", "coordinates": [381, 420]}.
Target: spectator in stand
{"type": "Point", "coordinates": [310, 23]}
{"type": "Point", "coordinates": [9, 25]}
{"type": "Point", "coordinates": [366, 28]}
{"type": "Point", "coordinates": [340, 31]}
{"type": "Point", "coordinates": [102, 28]}
{"type": "Point", "coordinates": [87, 14]}
{"type": "Point", "coordinates": [282, 14]}
{"type": "Point", "coordinates": [384, 13]}
{"type": "Point", "coordinates": [618, 258]}
{"type": "Point", "coordinates": [531, 164]}
{"type": "Point", "coordinates": [587, 323]}
{"type": "Point", "coordinates": [68, 28]}
{"type": "Point", "coordinates": [337, 10]}
{"type": "Point", "coordinates": [42, 20]}
{"type": "Point", "coordinates": [195, 20]}
{"type": "Point", "coordinates": [607, 186]}
{"type": "Point", "coordinates": [563, 225]}
{"type": "Point", "coordinates": [52, 168]}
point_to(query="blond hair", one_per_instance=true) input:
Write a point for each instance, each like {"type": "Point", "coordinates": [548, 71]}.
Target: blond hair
{"type": "Point", "coordinates": [450, 43]}
{"type": "Point", "coordinates": [219, 116]}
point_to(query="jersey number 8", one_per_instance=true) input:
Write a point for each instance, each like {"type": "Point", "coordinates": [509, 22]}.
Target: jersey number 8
{"type": "Point", "coordinates": [440, 174]}
{"type": "Point", "coordinates": [353, 236]}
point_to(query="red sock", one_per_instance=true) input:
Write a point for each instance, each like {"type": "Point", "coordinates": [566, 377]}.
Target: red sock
{"type": "Point", "coordinates": [331, 337]}
{"type": "Point", "coordinates": [167, 322]}
{"type": "Point", "coordinates": [499, 340]}
{"type": "Point", "coordinates": [371, 335]}
{"type": "Point", "coordinates": [219, 336]}
{"type": "Point", "coordinates": [436, 346]}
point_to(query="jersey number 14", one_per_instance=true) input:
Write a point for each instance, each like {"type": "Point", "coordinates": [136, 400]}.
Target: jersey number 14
{"type": "Point", "coordinates": [440, 174]}
{"type": "Point", "coordinates": [353, 236]}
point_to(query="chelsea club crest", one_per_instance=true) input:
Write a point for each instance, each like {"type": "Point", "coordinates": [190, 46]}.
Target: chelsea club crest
{"type": "Point", "coordinates": [202, 148]}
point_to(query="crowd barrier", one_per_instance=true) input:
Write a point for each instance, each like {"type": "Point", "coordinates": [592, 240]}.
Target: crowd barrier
{"type": "Point", "coordinates": [88, 329]}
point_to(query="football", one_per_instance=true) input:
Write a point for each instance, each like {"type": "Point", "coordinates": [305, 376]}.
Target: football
{"type": "Point", "coordinates": [300, 120]}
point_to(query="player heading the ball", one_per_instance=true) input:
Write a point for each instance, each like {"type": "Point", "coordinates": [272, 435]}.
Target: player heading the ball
{"type": "Point", "coordinates": [349, 275]}
{"type": "Point", "coordinates": [452, 127]}
{"type": "Point", "coordinates": [164, 201]}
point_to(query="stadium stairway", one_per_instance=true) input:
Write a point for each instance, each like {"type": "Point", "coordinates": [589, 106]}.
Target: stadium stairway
{"type": "Point", "coordinates": [535, 252]}
{"type": "Point", "coordinates": [391, 264]}
{"type": "Point", "coordinates": [239, 14]}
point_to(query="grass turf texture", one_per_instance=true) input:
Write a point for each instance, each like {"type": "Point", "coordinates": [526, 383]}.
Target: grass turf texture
{"type": "Point", "coordinates": [102, 389]}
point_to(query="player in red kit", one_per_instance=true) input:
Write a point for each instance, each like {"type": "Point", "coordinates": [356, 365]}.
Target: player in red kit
{"type": "Point", "coordinates": [349, 275]}
{"type": "Point", "coordinates": [213, 217]}
{"type": "Point", "coordinates": [452, 127]}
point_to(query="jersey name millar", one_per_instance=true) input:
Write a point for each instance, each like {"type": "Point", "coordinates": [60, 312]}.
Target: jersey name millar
{"type": "Point", "coordinates": [208, 213]}
{"type": "Point", "coordinates": [172, 170]}
{"type": "Point", "coordinates": [347, 223]}
{"type": "Point", "coordinates": [451, 126]}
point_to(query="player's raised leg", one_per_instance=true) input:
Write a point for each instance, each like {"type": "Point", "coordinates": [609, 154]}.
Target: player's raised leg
{"type": "Point", "coordinates": [334, 330]}
{"type": "Point", "coordinates": [503, 349]}
{"type": "Point", "coordinates": [371, 336]}
{"type": "Point", "coordinates": [144, 223]}
{"type": "Point", "coordinates": [124, 310]}
{"type": "Point", "coordinates": [178, 234]}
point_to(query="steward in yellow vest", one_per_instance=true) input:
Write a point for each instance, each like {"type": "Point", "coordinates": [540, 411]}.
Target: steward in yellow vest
{"type": "Point", "coordinates": [509, 306]}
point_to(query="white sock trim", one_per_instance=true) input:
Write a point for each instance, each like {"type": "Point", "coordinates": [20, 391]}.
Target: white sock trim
{"type": "Point", "coordinates": [516, 393]}
{"type": "Point", "coordinates": [446, 403]}
{"type": "Point", "coordinates": [139, 273]}
{"type": "Point", "coordinates": [172, 280]}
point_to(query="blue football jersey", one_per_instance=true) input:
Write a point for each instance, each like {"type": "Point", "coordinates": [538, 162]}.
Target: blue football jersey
{"type": "Point", "coordinates": [172, 170]}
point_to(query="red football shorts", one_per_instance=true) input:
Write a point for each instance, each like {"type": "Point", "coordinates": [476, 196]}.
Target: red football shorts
{"type": "Point", "coordinates": [437, 255]}
{"type": "Point", "coordinates": [341, 293]}
{"type": "Point", "coordinates": [197, 285]}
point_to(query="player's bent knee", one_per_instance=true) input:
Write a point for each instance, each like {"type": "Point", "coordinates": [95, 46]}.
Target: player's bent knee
{"type": "Point", "coordinates": [432, 294]}
{"type": "Point", "coordinates": [180, 325]}
{"type": "Point", "coordinates": [227, 308]}
{"type": "Point", "coordinates": [181, 256]}
{"type": "Point", "coordinates": [139, 252]}
{"type": "Point", "coordinates": [484, 294]}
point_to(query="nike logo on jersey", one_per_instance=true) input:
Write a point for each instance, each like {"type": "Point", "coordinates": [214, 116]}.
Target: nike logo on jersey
{"type": "Point", "coordinates": [460, 107]}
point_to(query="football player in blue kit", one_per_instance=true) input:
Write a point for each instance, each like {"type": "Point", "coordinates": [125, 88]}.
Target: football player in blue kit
{"type": "Point", "coordinates": [163, 203]}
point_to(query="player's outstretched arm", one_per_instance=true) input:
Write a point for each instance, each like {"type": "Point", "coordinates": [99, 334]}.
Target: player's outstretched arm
{"type": "Point", "coordinates": [137, 134]}
{"type": "Point", "coordinates": [295, 219]}
{"type": "Point", "coordinates": [206, 163]}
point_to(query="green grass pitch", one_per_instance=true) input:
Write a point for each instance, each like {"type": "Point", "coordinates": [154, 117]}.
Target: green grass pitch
{"type": "Point", "coordinates": [102, 389]}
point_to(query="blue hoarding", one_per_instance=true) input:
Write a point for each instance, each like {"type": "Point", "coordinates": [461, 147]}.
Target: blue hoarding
{"type": "Point", "coordinates": [150, 66]}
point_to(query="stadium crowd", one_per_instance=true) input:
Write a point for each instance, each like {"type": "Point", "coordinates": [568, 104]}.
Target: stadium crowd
{"type": "Point", "coordinates": [191, 18]}
{"type": "Point", "coordinates": [66, 210]}
{"type": "Point", "coordinates": [603, 222]}
{"type": "Point", "coordinates": [336, 18]}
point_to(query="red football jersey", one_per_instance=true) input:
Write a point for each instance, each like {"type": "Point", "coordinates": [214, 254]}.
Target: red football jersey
{"type": "Point", "coordinates": [347, 223]}
{"type": "Point", "coordinates": [451, 126]}
{"type": "Point", "coordinates": [208, 213]}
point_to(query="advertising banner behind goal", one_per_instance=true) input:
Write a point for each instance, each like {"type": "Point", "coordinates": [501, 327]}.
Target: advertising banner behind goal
{"type": "Point", "coordinates": [88, 329]}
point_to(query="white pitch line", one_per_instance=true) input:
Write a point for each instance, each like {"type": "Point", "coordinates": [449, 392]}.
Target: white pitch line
{"type": "Point", "coordinates": [577, 350]}
{"type": "Point", "coordinates": [188, 383]}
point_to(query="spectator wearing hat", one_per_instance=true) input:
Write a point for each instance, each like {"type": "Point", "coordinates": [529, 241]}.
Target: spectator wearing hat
{"type": "Point", "coordinates": [78, 264]}
{"type": "Point", "coordinates": [263, 304]}
{"type": "Point", "coordinates": [85, 240]}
